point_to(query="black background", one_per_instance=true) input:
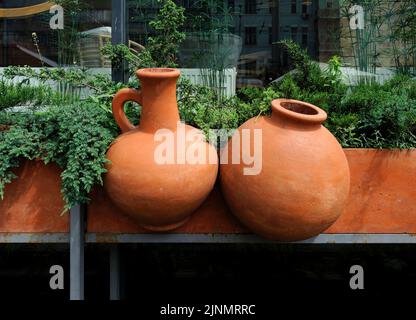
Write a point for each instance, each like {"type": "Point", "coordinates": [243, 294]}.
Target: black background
{"type": "Point", "coordinates": [195, 274]}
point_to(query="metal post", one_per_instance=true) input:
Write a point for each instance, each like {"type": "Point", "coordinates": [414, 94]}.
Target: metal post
{"type": "Point", "coordinates": [115, 283]}
{"type": "Point", "coordinates": [119, 35]}
{"type": "Point", "coordinates": [77, 229]}
{"type": "Point", "coordinates": [276, 59]}
{"type": "Point", "coordinates": [5, 43]}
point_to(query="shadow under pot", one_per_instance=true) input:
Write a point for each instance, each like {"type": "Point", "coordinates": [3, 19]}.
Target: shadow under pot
{"type": "Point", "coordinates": [296, 182]}
{"type": "Point", "coordinates": [162, 170]}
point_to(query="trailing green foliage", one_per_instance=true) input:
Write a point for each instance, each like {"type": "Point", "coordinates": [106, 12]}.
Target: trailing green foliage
{"type": "Point", "coordinates": [16, 141]}
{"type": "Point", "coordinates": [76, 137]}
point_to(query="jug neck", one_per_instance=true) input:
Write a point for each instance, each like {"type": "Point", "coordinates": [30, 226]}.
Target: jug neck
{"type": "Point", "coordinates": [159, 104]}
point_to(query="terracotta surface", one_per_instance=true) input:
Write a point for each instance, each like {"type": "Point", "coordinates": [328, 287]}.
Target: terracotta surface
{"type": "Point", "coordinates": [211, 217]}
{"type": "Point", "coordinates": [382, 200]}
{"type": "Point", "coordinates": [304, 182]}
{"type": "Point", "coordinates": [159, 196]}
{"type": "Point", "coordinates": [383, 192]}
{"type": "Point", "coordinates": [33, 201]}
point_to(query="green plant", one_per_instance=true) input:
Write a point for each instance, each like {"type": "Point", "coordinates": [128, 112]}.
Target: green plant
{"type": "Point", "coordinates": [164, 45]}
{"type": "Point", "coordinates": [214, 47]}
{"type": "Point", "coordinates": [73, 132]}
{"type": "Point", "coordinates": [136, 60]}
{"type": "Point", "coordinates": [75, 137]}
{"type": "Point", "coordinates": [386, 114]}
{"type": "Point", "coordinates": [333, 73]}
{"type": "Point", "coordinates": [209, 16]}
{"type": "Point", "coordinates": [402, 25]}
{"type": "Point", "coordinates": [68, 37]}
{"type": "Point", "coordinates": [299, 58]}
{"type": "Point", "coordinates": [344, 127]}
{"type": "Point", "coordinates": [100, 86]}
{"type": "Point", "coordinates": [364, 41]}
{"type": "Point", "coordinates": [383, 21]}
{"type": "Point", "coordinates": [23, 94]}
{"type": "Point", "coordinates": [16, 142]}
{"type": "Point", "coordinates": [308, 75]}
{"type": "Point", "coordinates": [368, 115]}
{"type": "Point", "coordinates": [199, 107]}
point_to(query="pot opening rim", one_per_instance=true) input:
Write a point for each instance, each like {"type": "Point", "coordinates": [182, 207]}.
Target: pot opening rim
{"type": "Point", "coordinates": [299, 110]}
{"type": "Point", "coordinates": [158, 73]}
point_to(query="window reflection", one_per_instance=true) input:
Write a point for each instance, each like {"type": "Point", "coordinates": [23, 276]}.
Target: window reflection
{"type": "Point", "coordinates": [243, 30]}
{"type": "Point", "coordinates": [28, 37]}
{"type": "Point", "coordinates": [232, 36]}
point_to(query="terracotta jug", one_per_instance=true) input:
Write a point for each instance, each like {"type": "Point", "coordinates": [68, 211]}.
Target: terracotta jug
{"type": "Point", "coordinates": [304, 180]}
{"type": "Point", "coordinates": [158, 187]}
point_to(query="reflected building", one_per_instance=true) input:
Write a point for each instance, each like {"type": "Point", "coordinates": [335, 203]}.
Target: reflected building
{"type": "Point", "coordinates": [18, 45]}
{"type": "Point", "coordinates": [239, 33]}
{"type": "Point", "coordinates": [261, 23]}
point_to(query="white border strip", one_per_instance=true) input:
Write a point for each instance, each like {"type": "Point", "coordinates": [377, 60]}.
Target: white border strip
{"type": "Point", "coordinates": [204, 238]}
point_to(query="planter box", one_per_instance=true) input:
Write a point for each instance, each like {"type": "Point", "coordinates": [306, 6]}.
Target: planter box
{"type": "Point", "coordinates": [382, 200]}
{"type": "Point", "coordinates": [33, 202]}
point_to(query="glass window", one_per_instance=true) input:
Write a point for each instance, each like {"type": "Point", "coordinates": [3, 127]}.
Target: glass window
{"type": "Point", "coordinates": [294, 33]}
{"type": "Point", "coordinates": [250, 36]}
{"type": "Point", "coordinates": [250, 6]}
{"type": "Point", "coordinates": [220, 34]}
{"type": "Point", "coordinates": [329, 4]}
{"type": "Point", "coordinates": [40, 33]}
{"type": "Point", "coordinates": [304, 9]}
{"type": "Point", "coordinates": [239, 35]}
{"type": "Point", "coordinates": [231, 5]}
{"type": "Point", "coordinates": [293, 6]}
{"type": "Point", "coordinates": [305, 37]}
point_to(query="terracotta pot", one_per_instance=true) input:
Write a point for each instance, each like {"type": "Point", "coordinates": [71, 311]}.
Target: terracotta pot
{"type": "Point", "coordinates": [158, 191]}
{"type": "Point", "coordinates": [304, 180]}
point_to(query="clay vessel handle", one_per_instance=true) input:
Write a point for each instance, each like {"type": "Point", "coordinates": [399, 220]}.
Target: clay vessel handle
{"type": "Point", "coordinates": [121, 97]}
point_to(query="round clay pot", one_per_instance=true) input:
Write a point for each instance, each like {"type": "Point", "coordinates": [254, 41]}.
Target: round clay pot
{"type": "Point", "coordinates": [150, 176]}
{"type": "Point", "coordinates": [304, 180]}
